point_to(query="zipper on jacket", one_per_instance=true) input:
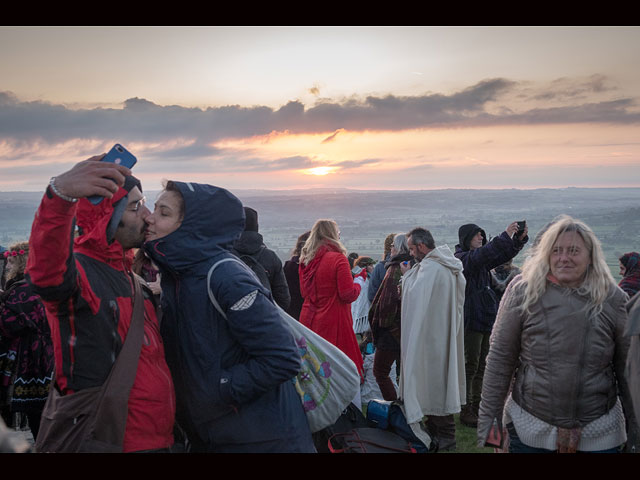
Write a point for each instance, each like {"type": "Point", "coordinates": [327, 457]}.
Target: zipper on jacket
{"type": "Point", "coordinates": [113, 306]}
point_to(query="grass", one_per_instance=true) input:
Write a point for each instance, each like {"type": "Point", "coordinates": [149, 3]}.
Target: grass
{"type": "Point", "coordinates": [466, 439]}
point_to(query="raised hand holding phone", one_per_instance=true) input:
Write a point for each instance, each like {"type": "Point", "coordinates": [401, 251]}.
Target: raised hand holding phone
{"type": "Point", "coordinates": [90, 177]}
{"type": "Point", "coordinates": [118, 155]}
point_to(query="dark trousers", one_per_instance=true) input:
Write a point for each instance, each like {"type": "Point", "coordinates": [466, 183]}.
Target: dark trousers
{"type": "Point", "coordinates": [476, 348]}
{"type": "Point", "coordinates": [443, 428]}
{"type": "Point", "coordinates": [382, 363]}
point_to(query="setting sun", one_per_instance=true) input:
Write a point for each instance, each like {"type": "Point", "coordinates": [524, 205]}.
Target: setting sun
{"type": "Point", "coordinates": [320, 170]}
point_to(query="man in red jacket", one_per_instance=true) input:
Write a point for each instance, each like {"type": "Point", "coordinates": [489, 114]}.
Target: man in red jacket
{"type": "Point", "coordinates": [87, 287]}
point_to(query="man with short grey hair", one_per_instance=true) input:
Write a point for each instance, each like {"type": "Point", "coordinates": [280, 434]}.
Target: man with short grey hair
{"type": "Point", "coordinates": [432, 380]}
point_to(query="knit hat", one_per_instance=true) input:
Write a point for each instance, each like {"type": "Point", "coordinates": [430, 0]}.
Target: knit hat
{"type": "Point", "coordinates": [251, 220]}
{"type": "Point", "coordinates": [467, 232]}
{"type": "Point", "coordinates": [120, 205]}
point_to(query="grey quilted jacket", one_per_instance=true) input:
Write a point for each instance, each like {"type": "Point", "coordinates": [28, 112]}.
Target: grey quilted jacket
{"type": "Point", "coordinates": [568, 369]}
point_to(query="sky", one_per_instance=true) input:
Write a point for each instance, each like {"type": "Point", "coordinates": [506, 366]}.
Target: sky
{"type": "Point", "coordinates": [325, 107]}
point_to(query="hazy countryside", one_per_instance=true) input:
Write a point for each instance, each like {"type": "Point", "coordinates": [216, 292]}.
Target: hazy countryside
{"type": "Point", "coordinates": [366, 217]}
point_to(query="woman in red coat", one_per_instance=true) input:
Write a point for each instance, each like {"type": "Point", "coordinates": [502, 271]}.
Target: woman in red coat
{"type": "Point", "coordinates": [327, 286]}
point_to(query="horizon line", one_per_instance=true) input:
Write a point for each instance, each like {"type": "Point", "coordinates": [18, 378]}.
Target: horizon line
{"type": "Point", "coordinates": [356, 189]}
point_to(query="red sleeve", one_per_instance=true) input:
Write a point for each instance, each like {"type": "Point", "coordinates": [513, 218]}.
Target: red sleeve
{"type": "Point", "coordinates": [50, 266]}
{"type": "Point", "coordinates": [348, 290]}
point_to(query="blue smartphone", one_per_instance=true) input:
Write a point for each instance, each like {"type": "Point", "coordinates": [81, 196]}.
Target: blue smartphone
{"type": "Point", "coordinates": [120, 156]}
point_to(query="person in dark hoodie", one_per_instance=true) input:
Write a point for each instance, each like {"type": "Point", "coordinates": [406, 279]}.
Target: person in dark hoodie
{"type": "Point", "coordinates": [478, 258]}
{"type": "Point", "coordinates": [233, 372]}
{"type": "Point", "coordinates": [292, 275]}
{"type": "Point", "coordinates": [251, 249]}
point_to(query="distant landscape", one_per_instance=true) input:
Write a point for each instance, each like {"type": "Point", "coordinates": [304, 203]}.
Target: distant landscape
{"type": "Point", "coordinates": [367, 217]}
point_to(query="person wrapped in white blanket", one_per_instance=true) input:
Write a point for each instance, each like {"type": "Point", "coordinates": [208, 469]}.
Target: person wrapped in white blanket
{"type": "Point", "coordinates": [432, 379]}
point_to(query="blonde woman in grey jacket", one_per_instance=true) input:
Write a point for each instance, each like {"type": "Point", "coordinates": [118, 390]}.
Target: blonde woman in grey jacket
{"type": "Point", "coordinates": [555, 368]}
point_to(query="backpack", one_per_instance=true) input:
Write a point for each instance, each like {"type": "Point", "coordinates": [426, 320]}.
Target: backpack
{"type": "Point", "coordinates": [253, 262]}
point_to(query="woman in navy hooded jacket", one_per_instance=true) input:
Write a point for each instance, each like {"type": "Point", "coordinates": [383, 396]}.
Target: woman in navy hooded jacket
{"type": "Point", "coordinates": [233, 376]}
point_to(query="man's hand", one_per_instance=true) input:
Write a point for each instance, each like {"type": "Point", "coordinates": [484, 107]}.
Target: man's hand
{"type": "Point", "coordinates": [512, 229]}
{"type": "Point", "coordinates": [92, 177]}
{"type": "Point", "coordinates": [155, 286]}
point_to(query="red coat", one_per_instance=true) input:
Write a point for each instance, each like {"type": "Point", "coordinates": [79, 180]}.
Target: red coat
{"type": "Point", "coordinates": [328, 289]}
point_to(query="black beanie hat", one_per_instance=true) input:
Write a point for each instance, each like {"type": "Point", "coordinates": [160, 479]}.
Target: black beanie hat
{"type": "Point", "coordinates": [467, 232]}
{"type": "Point", "coordinates": [251, 220]}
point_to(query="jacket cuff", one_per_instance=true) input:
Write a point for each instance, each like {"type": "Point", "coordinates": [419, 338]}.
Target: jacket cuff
{"type": "Point", "coordinates": [57, 204]}
{"type": "Point", "coordinates": [520, 243]}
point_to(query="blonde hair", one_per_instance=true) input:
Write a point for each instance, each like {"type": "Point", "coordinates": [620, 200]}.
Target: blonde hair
{"type": "Point", "coordinates": [598, 281]}
{"type": "Point", "coordinates": [323, 232]}
{"type": "Point", "coordinates": [20, 261]}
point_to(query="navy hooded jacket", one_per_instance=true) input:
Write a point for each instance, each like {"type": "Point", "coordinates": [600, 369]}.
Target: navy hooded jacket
{"type": "Point", "coordinates": [481, 304]}
{"type": "Point", "coordinates": [233, 377]}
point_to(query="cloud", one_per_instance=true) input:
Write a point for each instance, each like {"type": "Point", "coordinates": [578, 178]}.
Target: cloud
{"type": "Point", "coordinates": [571, 88]}
{"type": "Point", "coordinates": [333, 136]}
{"type": "Point", "coordinates": [351, 164]}
{"type": "Point", "coordinates": [185, 136]}
{"type": "Point", "coordinates": [141, 119]}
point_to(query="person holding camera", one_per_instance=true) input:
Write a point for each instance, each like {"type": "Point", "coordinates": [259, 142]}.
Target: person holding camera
{"type": "Point", "coordinates": [87, 287]}
{"type": "Point", "coordinates": [479, 257]}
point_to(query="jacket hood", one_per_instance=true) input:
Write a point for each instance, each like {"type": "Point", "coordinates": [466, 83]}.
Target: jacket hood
{"type": "Point", "coordinates": [308, 272]}
{"type": "Point", "coordinates": [467, 232]}
{"type": "Point", "coordinates": [631, 262]}
{"type": "Point", "coordinates": [249, 242]}
{"type": "Point", "coordinates": [93, 220]}
{"type": "Point", "coordinates": [213, 220]}
{"type": "Point", "coordinates": [444, 256]}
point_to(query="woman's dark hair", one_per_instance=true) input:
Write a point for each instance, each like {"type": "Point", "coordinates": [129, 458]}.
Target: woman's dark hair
{"type": "Point", "coordinates": [300, 243]}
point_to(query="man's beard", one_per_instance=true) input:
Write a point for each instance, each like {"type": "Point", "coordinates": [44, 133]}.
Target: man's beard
{"type": "Point", "coordinates": [132, 238]}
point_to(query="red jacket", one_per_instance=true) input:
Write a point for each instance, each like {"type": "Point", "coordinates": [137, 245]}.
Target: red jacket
{"type": "Point", "coordinates": [328, 289]}
{"type": "Point", "coordinates": [87, 290]}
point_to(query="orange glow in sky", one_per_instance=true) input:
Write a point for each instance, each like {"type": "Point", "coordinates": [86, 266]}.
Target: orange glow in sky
{"type": "Point", "coordinates": [350, 107]}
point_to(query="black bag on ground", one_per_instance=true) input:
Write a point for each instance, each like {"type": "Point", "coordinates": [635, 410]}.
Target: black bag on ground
{"type": "Point", "coordinates": [353, 433]}
{"type": "Point", "coordinates": [351, 418]}
{"type": "Point", "coordinates": [369, 440]}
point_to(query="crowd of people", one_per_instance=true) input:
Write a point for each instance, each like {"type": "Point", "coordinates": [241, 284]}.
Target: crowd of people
{"type": "Point", "coordinates": [541, 358]}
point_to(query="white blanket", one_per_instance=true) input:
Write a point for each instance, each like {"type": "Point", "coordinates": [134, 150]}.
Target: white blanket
{"type": "Point", "coordinates": [432, 380]}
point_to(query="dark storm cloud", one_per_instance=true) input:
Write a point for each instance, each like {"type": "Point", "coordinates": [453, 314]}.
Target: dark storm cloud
{"type": "Point", "coordinates": [486, 103]}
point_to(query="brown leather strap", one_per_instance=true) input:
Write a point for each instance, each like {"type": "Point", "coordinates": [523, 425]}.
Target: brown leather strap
{"type": "Point", "coordinates": [111, 416]}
